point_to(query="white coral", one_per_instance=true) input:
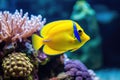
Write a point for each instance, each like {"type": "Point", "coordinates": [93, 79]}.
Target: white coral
{"type": "Point", "coordinates": [18, 26]}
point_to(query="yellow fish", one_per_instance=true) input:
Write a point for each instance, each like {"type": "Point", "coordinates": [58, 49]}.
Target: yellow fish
{"type": "Point", "coordinates": [60, 36]}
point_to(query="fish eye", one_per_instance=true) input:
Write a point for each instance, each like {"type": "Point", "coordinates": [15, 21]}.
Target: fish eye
{"type": "Point", "coordinates": [79, 31]}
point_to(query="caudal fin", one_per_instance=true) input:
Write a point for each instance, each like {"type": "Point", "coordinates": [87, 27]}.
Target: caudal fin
{"type": "Point", "coordinates": [36, 42]}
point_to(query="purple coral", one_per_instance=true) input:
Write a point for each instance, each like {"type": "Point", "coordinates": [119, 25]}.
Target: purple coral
{"type": "Point", "coordinates": [93, 75]}
{"type": "Point", "coordinates": [41, 56]}
{"type": "Point", "coordinates": [77, 69]}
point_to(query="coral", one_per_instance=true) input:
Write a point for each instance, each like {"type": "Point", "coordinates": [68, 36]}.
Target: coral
{"type": "Point", "coordinates": [42, 58]}
{"type": "Point", "coordinates": [81, 10]}
{"type": "Point", "coordinates": [63, 76]}
{"type": "Point", "coordinates": [77, 70]}
{"type": "Point", "coordinates": [29, 47]}
{"type": "Point", "coordinates": [15, 45]}
{"type": "Point", "coordinates": [17, 27]}
{"type": "Point", "coordinates": [17, 65]}
{"type": "Point", "coordinates": [93, 75]}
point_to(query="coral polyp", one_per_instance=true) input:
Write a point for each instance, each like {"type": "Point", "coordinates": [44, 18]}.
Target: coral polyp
{"type": "Point", "coordinates": [17, 65]}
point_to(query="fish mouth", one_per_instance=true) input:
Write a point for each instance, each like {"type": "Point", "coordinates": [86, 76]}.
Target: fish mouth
{"type": "Point", "coordinates": [85, 37]}
{"type": "Point", "coordinates": [88, 37]}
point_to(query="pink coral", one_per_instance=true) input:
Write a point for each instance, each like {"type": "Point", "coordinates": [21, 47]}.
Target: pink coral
{"type": "Point", "coordinates": [18, 26]}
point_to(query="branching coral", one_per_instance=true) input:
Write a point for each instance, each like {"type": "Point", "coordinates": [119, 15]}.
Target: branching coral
{"type": "Point", "coordinates": [18, 26]}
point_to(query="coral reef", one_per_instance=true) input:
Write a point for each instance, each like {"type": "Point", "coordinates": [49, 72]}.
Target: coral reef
{"type": "Point", "coordinates": [15, 29]}
{"type": "Point", "coordinates": [18, 59]}
{"type": "Point", "coordinates": [17, 56]}
{"type": "Point", "coordinates": [17, 65]}
{"type": "Point", "coordinates": [75, 70]}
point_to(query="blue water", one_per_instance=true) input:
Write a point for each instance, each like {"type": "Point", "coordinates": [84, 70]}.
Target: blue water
{"type": "Point", "coordinates": [109, 74]}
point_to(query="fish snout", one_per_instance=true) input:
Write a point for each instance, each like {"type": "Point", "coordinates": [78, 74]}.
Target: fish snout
{"type": "Point", "coordinates": [85, 37]}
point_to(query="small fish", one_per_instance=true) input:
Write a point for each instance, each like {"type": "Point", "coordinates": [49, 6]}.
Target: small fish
{"type": "Point", "coordinates": [60, 36]}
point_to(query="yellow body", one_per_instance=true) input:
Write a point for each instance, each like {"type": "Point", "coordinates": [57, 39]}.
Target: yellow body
{"type": "Point", "coordinates": [58, 37]}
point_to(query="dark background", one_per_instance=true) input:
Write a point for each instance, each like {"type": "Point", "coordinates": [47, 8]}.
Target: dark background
{"type": "Point", "coordinates": [110, 34]}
